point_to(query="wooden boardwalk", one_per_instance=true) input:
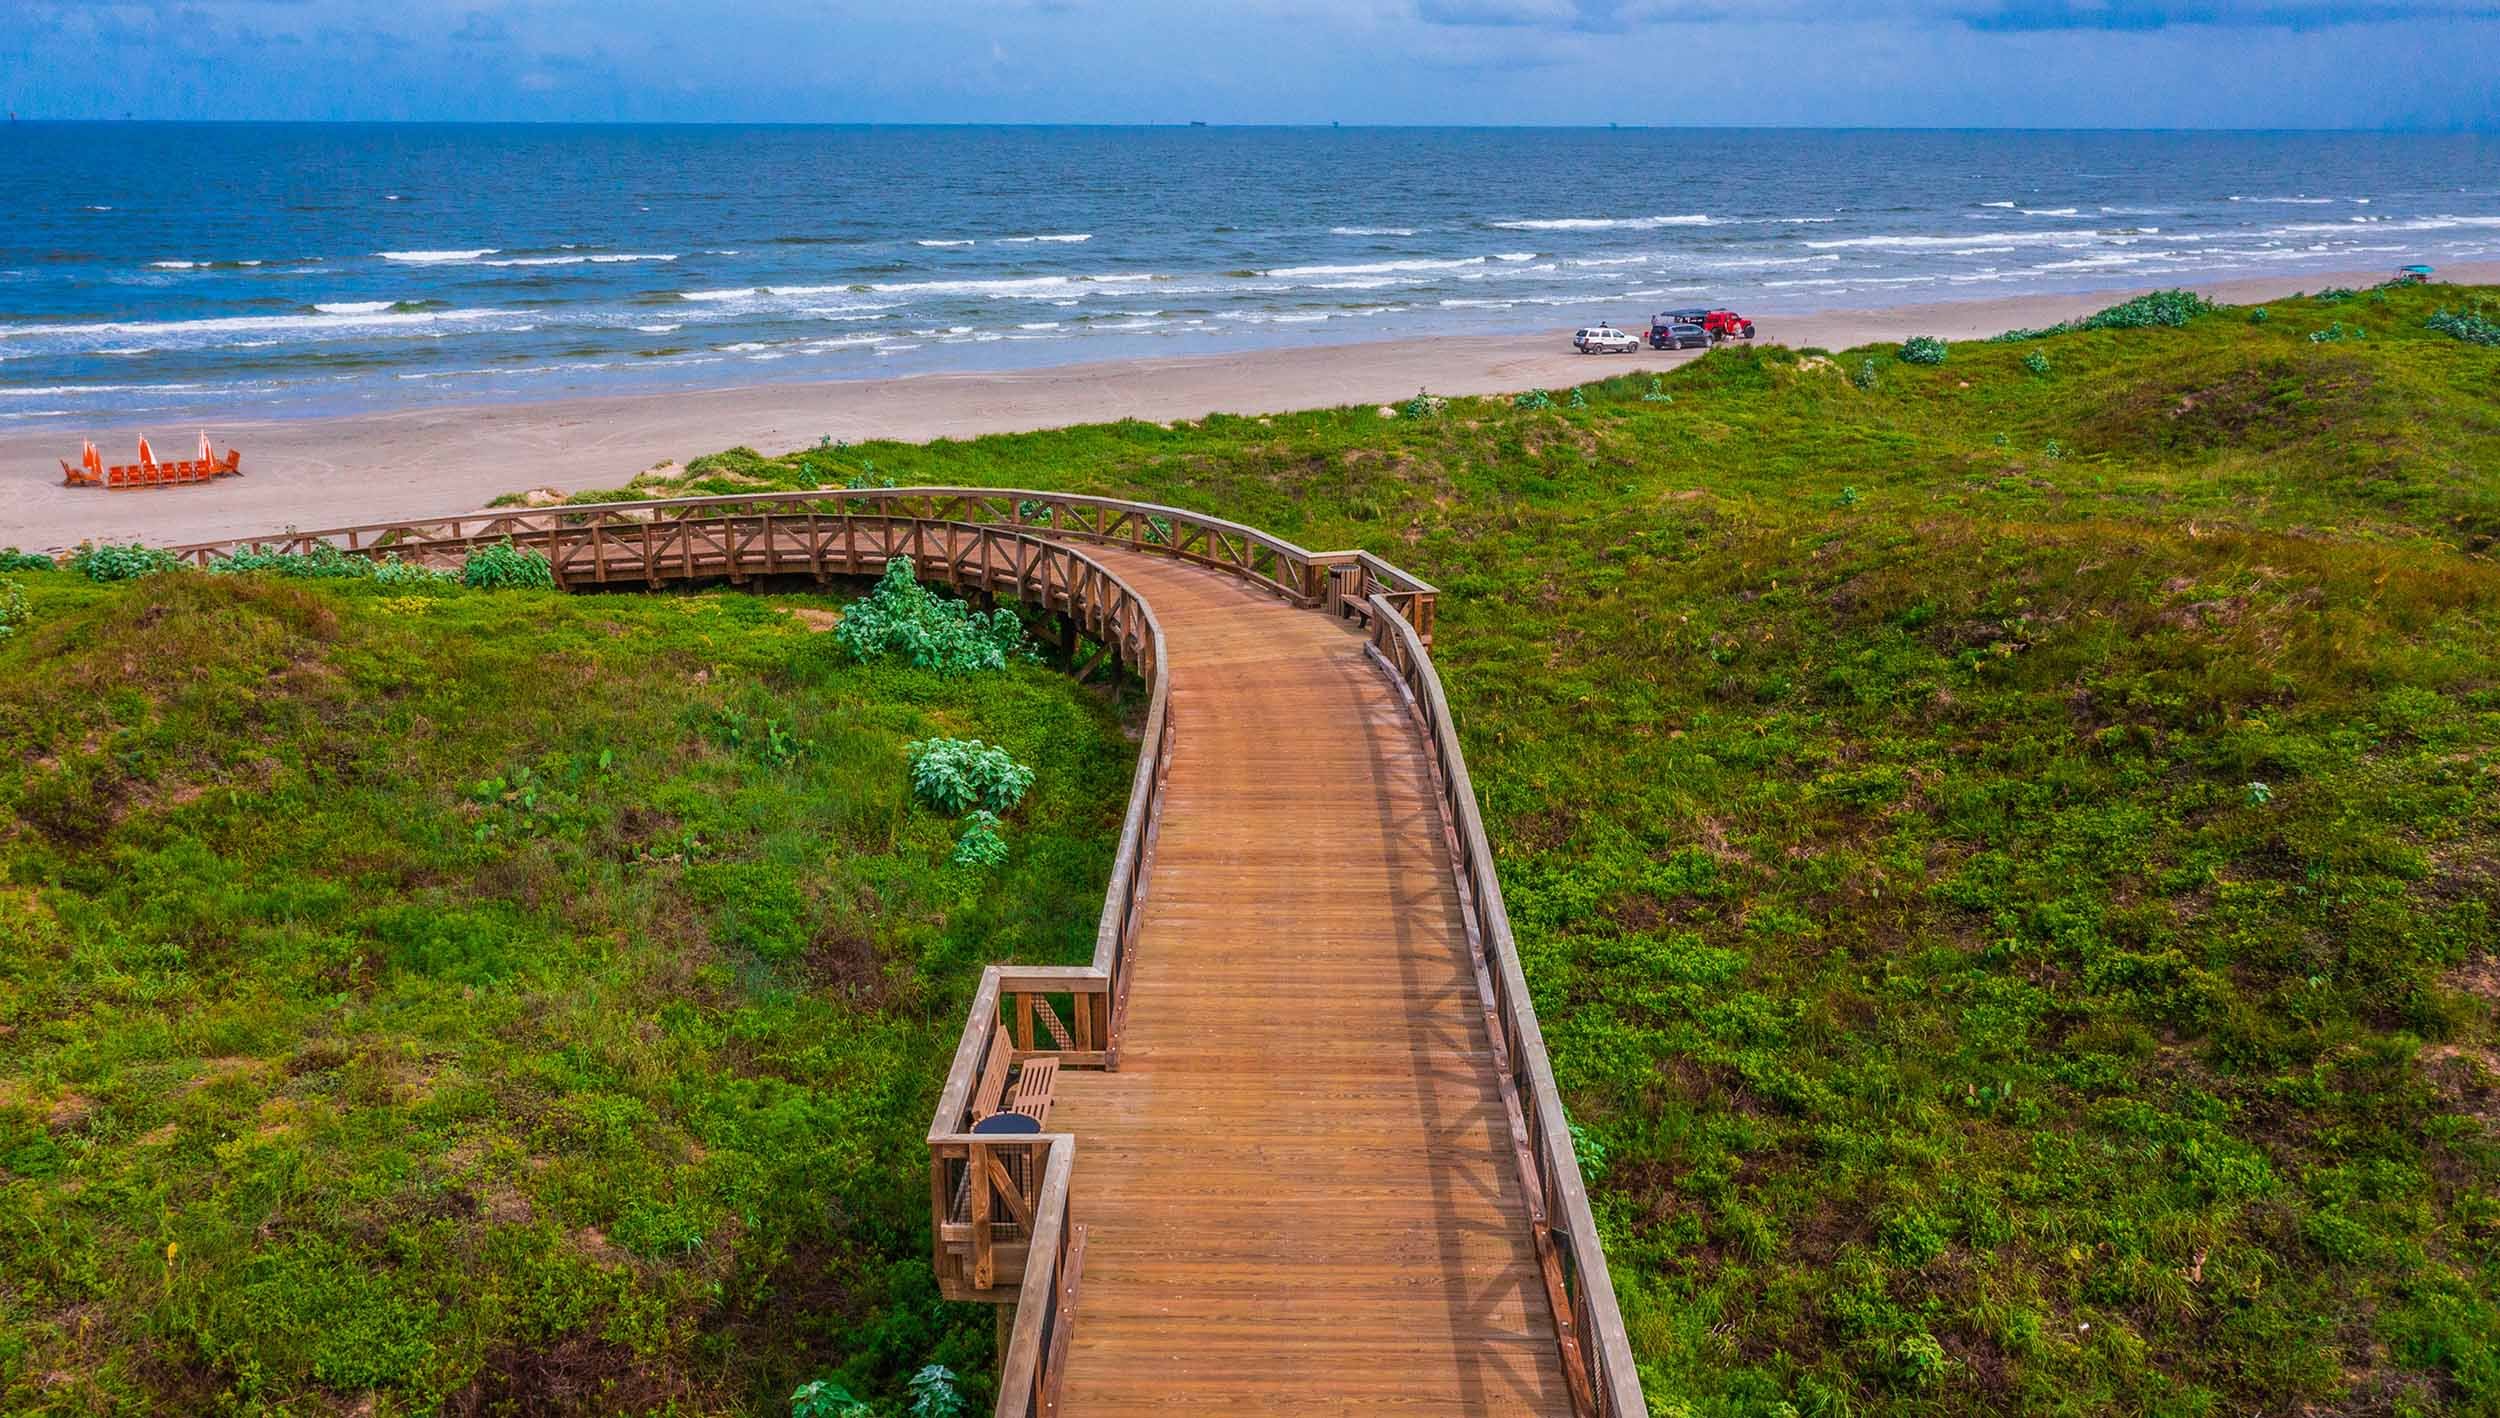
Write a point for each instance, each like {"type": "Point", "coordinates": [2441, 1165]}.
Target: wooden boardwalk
{"type": "Point", "coordinates": [1307, 1154]}
{"type": "Point", "coordinates": [1300, 1187]}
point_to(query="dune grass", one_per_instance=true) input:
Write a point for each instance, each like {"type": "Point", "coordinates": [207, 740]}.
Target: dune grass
{"type": "Point", "coordinates": [490, 1003]}
{"type": "Point", "coordinates": [2007, 855]}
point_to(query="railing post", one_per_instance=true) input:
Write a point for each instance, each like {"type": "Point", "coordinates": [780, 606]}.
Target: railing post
{"type": "Point", "coordinates": [984, 1259]}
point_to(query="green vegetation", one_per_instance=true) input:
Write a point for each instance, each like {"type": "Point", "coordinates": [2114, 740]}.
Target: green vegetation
{"type": "Point", "coordinates": [904, 618]}
{"type": "Point", "coordinates": [1960, 1026]}
{"type": "Point", "coordinates": [958, 775]}
{"type": "Point", "coordinates": [2158, 309]}
{"type": "Point", "coordinates": [973, 780]}
{"type": "Point", "coordinates": [121, 563]}
{"type": "Point", "coordinates": [451, 1002]}
{"type": "Point", "coordinates": [2471, 326]}
{"type": "Point", "coordinates": [11, 559]}
{"type": "Point", "coordinates": [2005, 866]}
{"type": "Point", "coordinates": [1923, 349]}
{"type": "Point", "coordinates": [327, 563]}
{"type": "Point", "coordinates": [505, 567]}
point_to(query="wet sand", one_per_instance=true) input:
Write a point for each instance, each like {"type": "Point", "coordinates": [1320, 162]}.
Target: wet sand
{"type": "Point", "coordinates": [327, 472]}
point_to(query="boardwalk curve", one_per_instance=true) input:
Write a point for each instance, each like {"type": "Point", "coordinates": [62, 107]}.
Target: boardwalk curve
{"type": "Point", "coordinates": [1304, 1152]}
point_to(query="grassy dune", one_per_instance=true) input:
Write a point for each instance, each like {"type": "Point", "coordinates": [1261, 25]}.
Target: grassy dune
{"type": "Point", "coordinates": [464, 1002]}
{"type": "Point", "coordinates": [2007, 852]}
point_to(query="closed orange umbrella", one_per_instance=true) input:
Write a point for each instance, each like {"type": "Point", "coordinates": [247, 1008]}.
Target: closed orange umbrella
{"type": "Point", "coordinates": [146, 455]}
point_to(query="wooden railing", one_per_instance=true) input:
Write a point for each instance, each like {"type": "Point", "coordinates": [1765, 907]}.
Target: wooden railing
{"type": "Point", "coordinates": [999, 1203]}
{"type": "Point", "coordinates": [687, 538]}
{"type": "Point", "coordinates": [1036, 1352]}
{"type": "Point", "coordinates": [1597, 1353]}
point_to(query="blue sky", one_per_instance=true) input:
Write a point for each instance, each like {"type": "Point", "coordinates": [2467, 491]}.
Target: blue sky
{"type": "Point", "coordinates": [1982, 63]}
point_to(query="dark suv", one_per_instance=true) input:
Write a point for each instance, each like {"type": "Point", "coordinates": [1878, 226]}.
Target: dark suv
{"type": "Point", "coordinates": [1663, 334]}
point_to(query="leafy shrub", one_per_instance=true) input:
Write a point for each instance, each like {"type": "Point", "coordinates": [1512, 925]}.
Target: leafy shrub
{"type": "Point", "coordinates": [1591, 1151]}
{"type": "Point", "coordinates": [1033, 512]}
{"type": "Point", "coordinates": [1657, 391]}
{"type": "Point", "coordinates": [2053, 450]}
{"type": "Point", "coordinates": [2471, 326]}
{"type": "Point", "coordinates": [956, 775]}
{"type": "Point", "coordinates": [2037, 363]}
{"type": "Point", "coordinates": [2168, 308]}
{"type": "Point", "coordinates": [121, 563]}
{"type": "Point", "coordinates": [980, 844]}
{"type": "Point", "coordinates": [2337, 331]}
{"type": "Point", "coordinates": [1533, 399]}
{"type": "Point", "coordinates": [328, 563]}
{"type": "Point", "coordinates": [1423, 404]}
{"type": "Point", "coordinates": [505, 567]}
{"type": "Point", "coordinates": [1922, 349]}
{"type": "Point", "coordinates": [323, 563]}
{"type": "Point", "coordinates": [2259, 316]}
{"type": "Point", "coordinates": [1867, 375]}
{"type": "Point", "coordinates": [14, 615]}
{"type": "Point", "coordinates": [2335, 295]}
{"type": "Point", "coordinates": [11, 559]}
{"type": "Point", "coordinates": [1848, 497]}
{"type": "Point", "coordinates": [933, 1394]}
{"type": "Point", "coordinates": [826, 1399]}
{"type": "Point", "coordinates": [903, 617]}
{"type": "Point", "coordinates": [1578, 399]}
{"type": "Point", "coordinates": [1922, 1359]}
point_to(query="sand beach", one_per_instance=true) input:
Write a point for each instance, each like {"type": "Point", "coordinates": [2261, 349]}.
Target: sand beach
{"type": "Point", "coordinates": [323, 472]}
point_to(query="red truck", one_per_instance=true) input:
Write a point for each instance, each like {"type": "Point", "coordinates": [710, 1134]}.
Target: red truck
{"type": "Point", "coordinates": [1717, 324]}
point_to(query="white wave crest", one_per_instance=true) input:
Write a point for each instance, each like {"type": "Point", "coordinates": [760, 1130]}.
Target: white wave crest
{"type": "Point", "coordinates": [318, 326]}
{"type": "Point", "coordinates": [1602, 223]}
{"type": "Point", "coordinates": [1380, 268]}
{"type": "Point", "coordinates": [436, 258]}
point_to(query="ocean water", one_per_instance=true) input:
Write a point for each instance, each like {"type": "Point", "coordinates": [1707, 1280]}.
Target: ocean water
{"type": "Point", "coordinates": [248, 270]}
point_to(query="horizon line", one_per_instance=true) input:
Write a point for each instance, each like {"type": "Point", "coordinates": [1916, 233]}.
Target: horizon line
{"type": "Point", "coordinates": [2447, 130]}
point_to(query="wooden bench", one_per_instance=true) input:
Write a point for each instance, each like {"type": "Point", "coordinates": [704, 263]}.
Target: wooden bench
{"type": "Point", "coordinates": [1028, 1095]}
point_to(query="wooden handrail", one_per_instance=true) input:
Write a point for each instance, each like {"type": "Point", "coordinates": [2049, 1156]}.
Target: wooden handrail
{"type": "Point", "coordinates": [1018, 542]}
{"type": "Point", "coordinates": [1030, 1371]}
{"type": "Point", "coordinates": [1597, 1351]}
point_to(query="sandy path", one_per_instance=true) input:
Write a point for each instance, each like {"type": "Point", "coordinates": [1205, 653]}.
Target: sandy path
{"type": "Point", "coordinates": [371, 467]}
